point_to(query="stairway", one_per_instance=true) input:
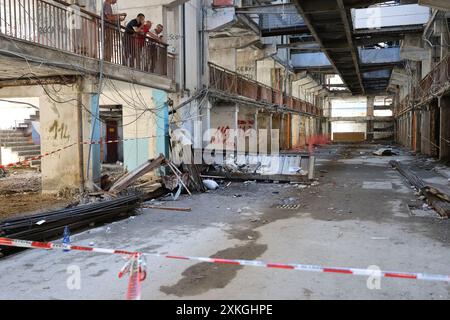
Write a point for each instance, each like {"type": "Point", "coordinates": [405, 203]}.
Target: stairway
{"type": "Point", "coordinates": [19, 143]}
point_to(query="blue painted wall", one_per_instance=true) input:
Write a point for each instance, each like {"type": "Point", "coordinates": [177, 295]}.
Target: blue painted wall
{"type": "Point", "coordinates": [96, 133]}
{"type": "Point", "coordinates": [162, 122]}
{"type": "Point", "coordinates": [137, 151]}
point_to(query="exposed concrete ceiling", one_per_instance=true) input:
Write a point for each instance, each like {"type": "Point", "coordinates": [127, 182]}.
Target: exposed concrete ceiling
{"type": "Point", "coordinates": [330, 22]}
{"type": "Point", "coordinates": [331, 26]}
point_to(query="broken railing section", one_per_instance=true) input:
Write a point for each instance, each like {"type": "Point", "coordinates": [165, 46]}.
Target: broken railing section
{"type": "Point", "coordinates": [439, 200]}
{"type": "Point", "coordinates": [289, 167]}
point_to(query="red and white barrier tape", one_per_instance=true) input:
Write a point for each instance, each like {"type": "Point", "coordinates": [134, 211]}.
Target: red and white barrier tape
{"type": "Point", "coordinates": [136, 267]}
{"type": "Point", "coordinates": [26, 161]}
{"type": "Point", "coordinates": [253, 263]}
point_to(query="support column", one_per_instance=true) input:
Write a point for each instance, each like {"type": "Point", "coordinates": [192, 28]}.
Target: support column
{"type": "Point", "coordinates": [425, 132]}
{"type": "Point", "coordinates": [417, 130]}
{"type": "Point", "coordinates": [240, 145]}
{"type": "Point", "coordinates": [370, 113]}
{"type": "Point", "coordinates": [444, 105]}
{"type": "Point", "coordinates": [162, 122]}
{"type": "Point", "coordinates": [282, 133]}
{"type": "Point", "coordinates": [67, 124]}
{"type": "Point", "coordinates": [206, 124]}
{"type": "Point", "coordinates": [255, 148]}
{"type": "Point", "coordinates": [443, 28]}
{"type": "Point", "coordinates": [269, 133]}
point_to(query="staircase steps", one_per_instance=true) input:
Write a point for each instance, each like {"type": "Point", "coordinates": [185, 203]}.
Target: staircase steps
{"type": "Point", "coordinates": [21, 143]}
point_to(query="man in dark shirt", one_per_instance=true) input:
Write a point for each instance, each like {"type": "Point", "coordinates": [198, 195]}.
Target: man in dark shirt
{"type": "Point", "coordinates": [134, 25]}
{"type": "Point", "coordinates": [133, 31]}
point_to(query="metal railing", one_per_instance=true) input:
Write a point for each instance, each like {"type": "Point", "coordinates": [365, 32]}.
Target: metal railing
{"type": "Point", "coordinates": [234, 83]}
{"type": "Point", "coordinates": [61, 26]}
{"type": "Point", "coordinates": [436, 80]}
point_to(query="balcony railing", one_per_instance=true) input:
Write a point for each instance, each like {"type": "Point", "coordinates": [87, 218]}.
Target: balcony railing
{"type": "Point", "coordinates": [438, 79]}
{"type": "Point", "coordinates": [64, 27]}
{"type": "Point", "coordinates": [236, 84]}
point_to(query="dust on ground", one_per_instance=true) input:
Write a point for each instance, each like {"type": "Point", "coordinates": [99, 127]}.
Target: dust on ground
{"type": "Point", "coordinates": [20, 194]}
{"type": "Point", "coordinates": [19, 181]}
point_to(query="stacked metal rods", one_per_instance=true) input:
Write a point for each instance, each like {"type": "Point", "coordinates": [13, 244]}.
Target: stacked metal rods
{"type": "Point", "coordinates": [408, 174]}
{"type": "Point", "coordinates": [45, 226]}
{"type": "Point", "coordinates": [435, 199]}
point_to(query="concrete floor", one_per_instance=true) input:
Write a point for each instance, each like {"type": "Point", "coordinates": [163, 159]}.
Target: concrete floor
{"type": "Point", "coordinates": [356, 217]}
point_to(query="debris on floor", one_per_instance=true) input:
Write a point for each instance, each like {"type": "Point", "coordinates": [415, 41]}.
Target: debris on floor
{"type": "Point", "coordinates": [439, 200]}
{"type": "Point", "coordinates": [132, 176]}
{"type": "Point", "coordinates": [385, 152]}
{"type": "Point", "coordinates": [291, 167]}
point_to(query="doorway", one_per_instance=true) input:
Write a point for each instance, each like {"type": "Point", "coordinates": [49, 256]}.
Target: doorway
{"type": "Point", "coordinates": [112, 149]}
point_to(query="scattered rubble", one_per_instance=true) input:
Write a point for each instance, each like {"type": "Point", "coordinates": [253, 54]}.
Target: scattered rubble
{"type": "Point", "coordinates": [438, 199]}
{"type": "Point", "coordinates": [385, 152]}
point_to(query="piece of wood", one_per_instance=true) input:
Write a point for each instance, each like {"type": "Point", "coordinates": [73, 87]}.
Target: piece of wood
{"type": "Point", "coordinates": [174, 170]}
{"type": "Point", "coordinates": [212, 177]}
{"type": "Point", "coordinates": [133, 175]}
{"type": "Point", "coordinates": [165, 208]}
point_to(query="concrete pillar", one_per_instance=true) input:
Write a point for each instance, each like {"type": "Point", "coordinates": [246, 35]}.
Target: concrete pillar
{"type": "Point", "coordinates": [444, 105]}
{"type": "Point", "coordinates": [69, 123]}
{"type": "Point", "coordinates": [206, 124]}
{"type": "Point", "coordinates": [411, 132]}
{"type": "Point", "coordinates": [269, 132]}
{"type": "Point", "coordinates": [370, 113]}
{"type": "Point", "coordinates": [443, 28]}
{"type": "Point", "coordinates": [255, 127]}
{"type": "Point", "coordinates": [240, 145]}
{"type": "Point", "coordinates": [282, 131]}
{"type": "Point", "coordinates": [417, 130]}
{"type": "Point", "coordinates": [425, 132]}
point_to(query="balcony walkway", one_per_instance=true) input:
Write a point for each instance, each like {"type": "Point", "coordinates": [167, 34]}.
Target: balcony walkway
{"type": "Point", "coordinates": [47, 38]}
{"type": "Point", "coordinates": [235, 84]}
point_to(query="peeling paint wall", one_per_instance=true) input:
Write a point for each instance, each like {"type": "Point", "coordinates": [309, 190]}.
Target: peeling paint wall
{"type": "Point", "coordinates": [143, 128]}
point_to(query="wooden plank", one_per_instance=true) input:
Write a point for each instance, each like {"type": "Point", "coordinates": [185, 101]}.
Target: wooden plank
{"type": "Point", "coordinates": [148, 206]}
{"type": "Point", "coordinates": [132, 176]}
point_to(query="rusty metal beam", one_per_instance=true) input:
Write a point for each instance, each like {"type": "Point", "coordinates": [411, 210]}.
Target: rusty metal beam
{"type": "Point", "coordinates": [348, 32]}
{"type": "Point", "coordinates": [32, 81]}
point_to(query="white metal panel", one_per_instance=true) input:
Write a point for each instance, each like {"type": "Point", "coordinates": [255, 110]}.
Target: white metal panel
{"type": "Point", "coordinates": [378, 17]}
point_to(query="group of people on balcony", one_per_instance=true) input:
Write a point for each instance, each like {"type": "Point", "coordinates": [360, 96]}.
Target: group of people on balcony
{"type": "Point", "coordinates": [141, 44]}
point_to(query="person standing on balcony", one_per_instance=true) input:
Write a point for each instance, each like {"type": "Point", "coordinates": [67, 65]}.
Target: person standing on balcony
{"type": "Point", "coordinates": [112, 27]}
{"type": "Point", "coordinates": [132, 39]}
{"type": "Point", "coordinates": [145, 46]}
{"type": "Point", "coordinates": [158, 32]}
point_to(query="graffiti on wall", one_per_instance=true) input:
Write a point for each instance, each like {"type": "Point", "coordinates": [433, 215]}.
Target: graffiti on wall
{"type": "Point", "coordinates": [59, 131]}
{"type": "Point", "coordinates": [222, 136]}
